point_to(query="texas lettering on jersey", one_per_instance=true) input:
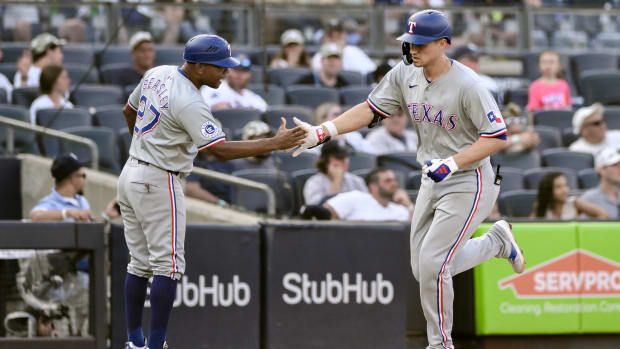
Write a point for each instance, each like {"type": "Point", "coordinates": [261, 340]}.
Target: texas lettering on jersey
{"type": "Point", "coordinates": [421, 112]}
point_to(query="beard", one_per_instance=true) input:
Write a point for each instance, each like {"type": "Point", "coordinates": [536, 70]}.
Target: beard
{"type": "Point", "coordinates": [386, 194]}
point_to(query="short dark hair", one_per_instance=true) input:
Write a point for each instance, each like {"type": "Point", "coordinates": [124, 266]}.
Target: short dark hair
{"type": "Point", "coordinates": [373, 176]}
{"type": "Point", "coordinates": [48, 78]}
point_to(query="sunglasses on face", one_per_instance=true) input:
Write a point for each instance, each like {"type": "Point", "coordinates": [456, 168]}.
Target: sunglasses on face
{"type": "Point", "coordinates": [594, 123]}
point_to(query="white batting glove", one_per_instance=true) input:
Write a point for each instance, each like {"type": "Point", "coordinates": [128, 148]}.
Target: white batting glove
{"type": "Point", "coordinates": [440, 169]}
{"type": "Point", "coordinates": [315, 136]}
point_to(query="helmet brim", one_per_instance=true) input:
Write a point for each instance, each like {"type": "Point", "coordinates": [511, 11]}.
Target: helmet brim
{"type": "Point", "coordinates": [228, 62]}
{"type": "Point", "coordinates": [417, 39]}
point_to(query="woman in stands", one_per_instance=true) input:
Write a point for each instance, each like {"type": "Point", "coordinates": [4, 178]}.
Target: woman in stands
{"type": "Point", "coordinates": [553, 201]}
{"type": "Point", "coordinates": [54, 85]}
{"type": "Point", "coordinates": [549, 91]}
{"type": "Point", "coordinates": [293, 53]}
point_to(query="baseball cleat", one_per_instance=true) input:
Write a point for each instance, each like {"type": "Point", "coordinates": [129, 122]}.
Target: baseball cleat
{"type": "Point", "coordinates": [130, 345]}
{"type": "Point", "coordinates": [516, 259]}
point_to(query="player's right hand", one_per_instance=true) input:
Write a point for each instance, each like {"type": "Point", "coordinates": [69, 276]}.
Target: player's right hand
{"type": "Point", "coordinates": [289, 138]}
{"type": "Point", "coordinates": [315, 135]}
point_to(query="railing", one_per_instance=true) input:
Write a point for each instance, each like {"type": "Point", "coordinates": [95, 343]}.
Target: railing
{"type": "Point", "coordinates": [10, 137]}
{"type": "Point", "coordinates": [222, 177]}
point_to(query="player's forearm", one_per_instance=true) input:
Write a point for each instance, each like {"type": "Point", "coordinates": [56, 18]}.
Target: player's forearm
{"type": "Point", "coordinates": [482, 148]}
{"type": "Point", "coordinates": [241, 149]}
{"type": "Point", "coordinates": [353, 119]}
{"type": "Point", "coordinates": [46, 215]}
{"type": "Point", "coordinates": [130, 117]}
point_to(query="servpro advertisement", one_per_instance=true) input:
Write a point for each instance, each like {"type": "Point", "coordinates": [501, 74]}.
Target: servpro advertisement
{"type": "Point", "coordinates": [571, 283]}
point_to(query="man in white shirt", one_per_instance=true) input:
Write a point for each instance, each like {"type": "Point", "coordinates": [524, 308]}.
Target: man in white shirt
{"type": "Point", "coordinates": [233, 92]}
{"type": "Point", "coordinates": [393, 136]}
{"type": "Point", "coordinates": [589, 124]}
{"type": "Point", "coordinates": [384, 201]}
{"type": "Point", "coordinates": [607, 193]}
{"type": "Point", "coordinates": [45, 49]}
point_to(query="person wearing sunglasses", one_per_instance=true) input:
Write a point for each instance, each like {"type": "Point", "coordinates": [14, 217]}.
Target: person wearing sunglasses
{"type": "Point", "coordinates": [589, 124]}
{"type": "Point", "coordinates": [520, 138]}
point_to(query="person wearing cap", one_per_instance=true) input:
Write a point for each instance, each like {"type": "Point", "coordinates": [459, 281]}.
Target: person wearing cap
{"type": "Point", "coordinates": [353, 57]}
{"type": "Point", "coordinates": [255, 130]}
{"type": "Point", "coordinates": [54, 86]}
{"type": "Point", "coordinates": [333, 177]}
{"type": "Point", "coordinates": [520, 139]}
{"type": "Point", "coordinates": [590, 125]}
{"type": "Point", "coordinates": [384, 200]}
{"type": "Point", "coordinates": [233, 92]}
{"type": "Point", "coordinates": [469, 55]}
{"type": "Point", "coordinates": [45, 49]}
{"type": "Point", "coordinates": [607, 193]}
{"type": "Point", "coordinates": [142, 52]}
{"type": "Point", "coordinates": [393, 136]}
{"type": "Point", "coordinates": [293, 52]}
{"type": "Point", "coordinates": [328, 74]}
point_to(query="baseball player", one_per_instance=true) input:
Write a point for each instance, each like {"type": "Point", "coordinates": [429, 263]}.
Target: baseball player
{"type": "Point", "coordinates": [170, 123]}
{"type": "Point", "coordinates": [458, 125]}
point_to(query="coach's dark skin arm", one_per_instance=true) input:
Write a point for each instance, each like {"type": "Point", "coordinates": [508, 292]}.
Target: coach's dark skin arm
{"type": "Point", "coordinates": [284, 139]}
{"type": "Point", "coordinates": [130, 117]}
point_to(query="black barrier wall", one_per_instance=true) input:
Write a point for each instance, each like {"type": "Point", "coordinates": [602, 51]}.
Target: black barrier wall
{"type": "Point", "coordinates": [218, 299]}
{"type": "Point", "coordinates": [335, 286]}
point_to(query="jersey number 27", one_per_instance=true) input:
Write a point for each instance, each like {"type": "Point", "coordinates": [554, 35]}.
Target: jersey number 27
{"type": "Point", "coordinates": [141, 109]}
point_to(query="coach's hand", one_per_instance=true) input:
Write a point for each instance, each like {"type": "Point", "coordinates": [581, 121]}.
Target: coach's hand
{"type": "Point", "coordinates": [315, 135]}
{"type": "Point", "coordinates": [289, 138]}
{"type": "Point", "coordinates": [440, 169]}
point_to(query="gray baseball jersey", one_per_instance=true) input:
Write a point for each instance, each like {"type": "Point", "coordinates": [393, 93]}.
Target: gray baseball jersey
{"type": "Point", "coordinates": [449, 114]}
{"type": "Point", "coordinates": [173, 121]}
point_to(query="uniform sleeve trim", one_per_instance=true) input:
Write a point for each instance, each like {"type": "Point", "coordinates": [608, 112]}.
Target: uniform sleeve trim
{"type": "Point", "coordinates": [497, 133]}
{"type": "Point", "coordinates": [378, 110]}
{"type": "Point", "coordinates": [131, 106]}
{"type": "Point", "coordinates": [212, 143]}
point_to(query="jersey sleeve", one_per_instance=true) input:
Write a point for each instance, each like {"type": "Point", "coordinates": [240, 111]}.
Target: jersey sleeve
{"type": "Point", "coordinates": [484, 112]}
{"type": "Point", "coordinates": [201, 125]}
{"type": "Point", "coordinates": [385, 98]}
{"type": "Point", "coordinates": [134, 98]}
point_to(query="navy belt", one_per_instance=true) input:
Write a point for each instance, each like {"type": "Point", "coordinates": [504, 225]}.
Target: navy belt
{"type": "Point", "coordinates": [176, 173]}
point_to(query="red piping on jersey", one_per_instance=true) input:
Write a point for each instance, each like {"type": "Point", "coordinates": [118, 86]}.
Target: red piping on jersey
{"type": "Point", "coordinates": [173, 212]}
{"type": "Point", "coordinates": [376, 109]}
{"type": "Point", "coordinates": [493, 135]}
{"type": "Point", "coordinates": [131, 106]}
{"type": "Point", "coordinates": [217, 141]}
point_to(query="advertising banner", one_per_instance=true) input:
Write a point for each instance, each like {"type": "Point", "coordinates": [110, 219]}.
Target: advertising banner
{"type": "Point", "coordinates": [571, 283]}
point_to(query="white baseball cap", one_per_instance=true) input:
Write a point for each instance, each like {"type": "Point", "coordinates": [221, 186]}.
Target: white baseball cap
{"type": "Point", "coordinates": [255, 129]}
{"type": "Point", "coordinates": [582, 113]}
{"type": "Point", "coordinates": [138, 38]}
{"type": "Point", "coordinates": [331, 49]}
{"type": "Point", "coordinates": [606, 157]}
{"type": "Point", "coordinates": [292, 36]}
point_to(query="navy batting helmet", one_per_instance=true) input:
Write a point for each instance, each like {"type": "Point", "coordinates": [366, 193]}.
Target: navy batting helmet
{"type": "Point", "coordinates": [426, 26]}
{"type": "Point", "coordinates": [210, 49]}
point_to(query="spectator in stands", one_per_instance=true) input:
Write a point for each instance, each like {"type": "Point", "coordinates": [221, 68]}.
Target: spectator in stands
{"type": "Point", "coordinates": [293, 52]}
{"type": "Point", "coordinates": [255, 130]}
{"type": "Point", "coordinates": [211, 191]}
{"type": "Point", "coordinates": [73, 30]}
{"type": "Point", "coordinates": [384, 201]}
{"type": "Point", "coordinates": [233, 93]}
{"type": "Point", "coordinates": [328, 75]}
{"type": "Point", "coordinates": [553, 201]}
{"type": "Point", "coordinates": [353, 140]}
{"type": "Point", "coordinates": [379, 73]}
{"type": "Point", "coordinates": [469, 55]}
{"type": "Point", "coordinates": [393, 136]}
{"type": "Point", "coordinates": [5, 83]}
{"type": "Point", "coordinates": [520, 139]}
{"type": "Point", "coordinates": [142, 51]}
{"type": "Point", "coordinates": [607, 193]}
{"type": "Point", "coordinates": [589, 124]}
{"type": "Point", "coordinates": [67, 203]}
{"type": "Point", "coordinates": [54, 85]}
{"type": "Point", "coordinates": [354, 58]}
{"type": "Point", "coordinates": [333, 176]}
{"type": "Point", "coordinates": [45, 49]}
{"type": "Point", "coordinates": [549, 91]}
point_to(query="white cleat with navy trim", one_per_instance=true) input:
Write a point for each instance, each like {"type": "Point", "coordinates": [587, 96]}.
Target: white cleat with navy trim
{"type": "Point", "coordinates": [130, 345]}
{"type": "Point", "coordinates": [515, 258]}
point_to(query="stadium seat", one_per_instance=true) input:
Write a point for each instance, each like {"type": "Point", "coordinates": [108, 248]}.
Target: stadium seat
{"type": "Point", "coordinates": [588, 61]}
{"type": "Point", "coordinates": [24, 141]}
{"type": "Point", "coordinates": [404, 162]}
{"type": "Point", "coordinates": [77, 72]}
{"type": "Point", "coordinates": [11, 51]}
{"type": "Point", "coordinates": [124, 143]}
{"type": "Point", "coordinates": [168, 55]}
{"type": "Point", "coordinates": [274, 113]}
{"type": "Point", "coordinates": [255, 200]}
{"type": "Point", "coordinates": [569, 39]}
{"type": "Point", "coordinates": [113, 54]}
{"type": "Point", "coordinates": [311, 96]}
{"type": "Point", "coordinates": [562, 157]}
{"type": "Point", "coordinates": [8, 70]}
{"type": "Point", "coordinates": [608, 40]}
{"type": "Point", "coordinates": [352, 77]}
{"type": "Point", "coordinates": [105, 139]}
{"type": "Point", "coordinates": [414, 180]}
{"type": "Point", "coordinates": [97, 95]}
{"type": "Point", "coordinates": [359, 160]}
{"type": "Point", "coordinates": [600, 86]}
{"type": "Point", "coordinates": [588, 178]}
{"type": "Point", "coordinates": [517, 203]}
{"type": "Point", "coordinates": [540, 39]}
{"type": "Point", "coordinates": [272, 94]}
{"type": "Point", "coordinates": [517, 96]}
{"type": "Point", "coordinates": [285, 77]}
{"type": "Point", "coordinates": [112, 73]}
{"type": "Point", "coordinates": [110, 116]}
{"type": "Point", "coordinates": [4, 99]}
{"type": "Point", "coordinates": [532, 177]}
{"type": "Point", "coordinates": [58, 120]}
{"type": "Point", "coordinates": [512, 179]}
{"type": "Point", "coordinates": [568, 137]}
{"type": "Point", "coordinates": [235, 118]}
{"type": "Point", "coordinates": [612, 117]}
{"type": "Point", "coordinates": [257, 75]}
{"type": "Point", "coordinates": [554, 118]}
{"type": "Point", "coordinates": [522, 160]}
{"type": "Point", "coordinates": [413, 194]}
{"type": "Point", "coordinates": [353, 95]}
{"type": "Point", "coordinates": [78, 54]}
{"type": "Point", "coordinates": [299, 179]}
{"type": "Point", "coordinates": [285, 162]}
{"type": "Point", "coordinates": [550, 137]}
{"type": "Point", "coordinates": [24, 95]}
